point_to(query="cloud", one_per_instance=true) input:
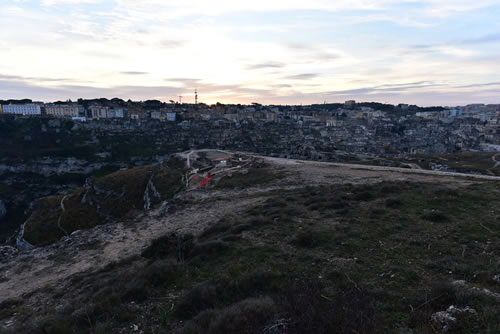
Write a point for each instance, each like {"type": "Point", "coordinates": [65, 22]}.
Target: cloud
{"type": "Point", "coordinates": [259, 66]}
{"type": "Point", "coordinates": [386, 88]}
{"type": "Point", "coordinates": [66, 2]}
{"type": "Point", "coordinates": [490, 38]}
{"type": "Point", "coordinates": [303, 76]}
{"type": "Point", "coordinates": [487, 84]}
{"type": "Point", "coordinates": [134, 73]}
{"type": "Point", "coordinates": [189, 82]}
{"type": "Point", "coordinates": [310, 53]}
{"type": "Point", "coordinates": [445, 49]}
{"type": "Point", "coordinates": [326, 56]}
{"type": "Point", "coordinates": [172, 44]}
{"type": "Point", "coordinates": [39, 79]}
{"type": "Point", "coordinates": [220, 7]}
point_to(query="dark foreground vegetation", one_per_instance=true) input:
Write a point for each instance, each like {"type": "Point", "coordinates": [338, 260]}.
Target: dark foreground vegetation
{"type": "Point", "coordinates": [380, 258]}
{"type": "Point", "coordinates": [463, 162]}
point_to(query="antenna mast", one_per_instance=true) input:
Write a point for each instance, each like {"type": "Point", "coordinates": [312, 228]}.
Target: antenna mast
{"type": "Point", "coordinates": [196, 96]}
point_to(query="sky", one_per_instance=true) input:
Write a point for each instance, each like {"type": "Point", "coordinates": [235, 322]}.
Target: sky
{"type": "Point", "coordinates": [427, 52]}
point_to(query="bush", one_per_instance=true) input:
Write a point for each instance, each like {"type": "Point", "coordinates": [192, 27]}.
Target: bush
{"type": "Point", "coordinates": [219, 228]}
{"type": "Point", "coordinates": [208, 248]}
{"type": "Point", "coordinates": [441, 296]}
{"type": "Point", "coordinates": [217, 294]}
{"type": "Point", "coordinates": [393, 202]}
{"type": "Point", "coordinates": [310, 239]}
{"type": "Point", "coordinates": [434, 216]}
{"type": "Point", "coordinates": [51, 325]}
{"type": "Point", "coordinates": [248, 316]}
{"type": "Point", "coordinates": [161, 273]}
{"type": "Point", "coordinates": [135, 290]}
{"type": "Point", "coordinates": [170, 245]}
{"type": "Point", "coordinates": [254, 176]}
{"type": "Point", "coordinates": [201, 297]}
{"type": "Point", "coordinates": [310, 311]}
{"type": "Point", "coordinates": [363, 196]}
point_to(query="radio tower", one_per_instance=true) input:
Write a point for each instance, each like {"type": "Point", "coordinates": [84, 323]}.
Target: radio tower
{"type": "Point", "coordinates": [195, 96]}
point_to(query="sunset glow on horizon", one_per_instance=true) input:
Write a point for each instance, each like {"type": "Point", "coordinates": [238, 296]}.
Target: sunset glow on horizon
{"type": "Point", "coordinates": [428, 52]}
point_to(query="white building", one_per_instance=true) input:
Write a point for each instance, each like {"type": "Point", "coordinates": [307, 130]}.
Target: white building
{"type": "Point", "coordinates": [156, 114]}
{"type": "Point", "coordinates": [171, 116]}
{"type": "Point", "coordinates": [97, 112]}
{"type": "Point", "coordinates": [63, 110]}
{"type": "Point", "coordinates": [22, 109]}
{"type": "Point", "coordinates": [115, 113]}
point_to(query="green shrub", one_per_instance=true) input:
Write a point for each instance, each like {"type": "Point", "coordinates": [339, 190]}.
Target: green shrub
{"type": "Point", "coordinates": [310, 239]}
{"type": "Point", "coordinates": [441, 296]}
{"type": "Point", "coordinates": [310, 310]}
{"type": "Point", "coordinates": [363, 196]}
{"type": "Point", "coordinates": [246, 317]}
{"type": "Point", "coordinates": [254, 176]}
{"type": "Point", "coordinates": [223, 292]}
{"type": "Point", "coordinates": [161, 273]}
{"type": "Point", "coordinates": [170, 245]}
{"type": "Point", "coordinates": [434, 216]}
{"type": "Point", "coordinates": [393, 202]}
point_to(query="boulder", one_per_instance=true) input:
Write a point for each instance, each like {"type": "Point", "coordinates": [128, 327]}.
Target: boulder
{"type": "Point", "coordinates": [447, 319]}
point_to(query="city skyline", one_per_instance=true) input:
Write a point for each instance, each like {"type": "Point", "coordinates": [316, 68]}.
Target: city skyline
{"type": "Point", "coordinates": [431, 52]}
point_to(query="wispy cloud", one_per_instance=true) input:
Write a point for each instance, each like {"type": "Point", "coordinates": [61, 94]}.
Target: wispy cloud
{"type": "Point", "coordinates": [134, 73]}
{"type": "Point", "coordinates": [37, 79]}
{"type": "Point", "coordinates": [303, 76]}
{"type": "Point", "coordinates": [171, 44]}
{"type": "Point", "coordinates": [66, 2]}
{"type": "Point", "coordinates": [489, 38]}
{"type": "Point", "coordinates": [265, 65]}
{"type": "Point", "coordinates": [480, 85]}
{"type": "Point", "coordinates": [387, 88]}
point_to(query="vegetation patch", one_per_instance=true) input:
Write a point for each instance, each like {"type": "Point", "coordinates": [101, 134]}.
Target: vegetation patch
{"type": "Point", "coordinates": [465, 162]}
{"type": "Point", "coordinates": [104, 199]}
{"type": "Point", "coordinates": [42, 226]}
{"type": "Point", "coordinates": [249, 178]}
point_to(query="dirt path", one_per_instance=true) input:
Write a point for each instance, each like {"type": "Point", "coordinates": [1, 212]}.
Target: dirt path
{"type": "Point", "coordinates": [381, 172]}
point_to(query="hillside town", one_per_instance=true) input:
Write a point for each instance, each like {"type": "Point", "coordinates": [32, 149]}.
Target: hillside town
{"type": "Point", "coordinates": [311, 131]}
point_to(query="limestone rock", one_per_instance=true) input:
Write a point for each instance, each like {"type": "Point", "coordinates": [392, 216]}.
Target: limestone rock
{"type": "Point", "coordinates": [447, 319]}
